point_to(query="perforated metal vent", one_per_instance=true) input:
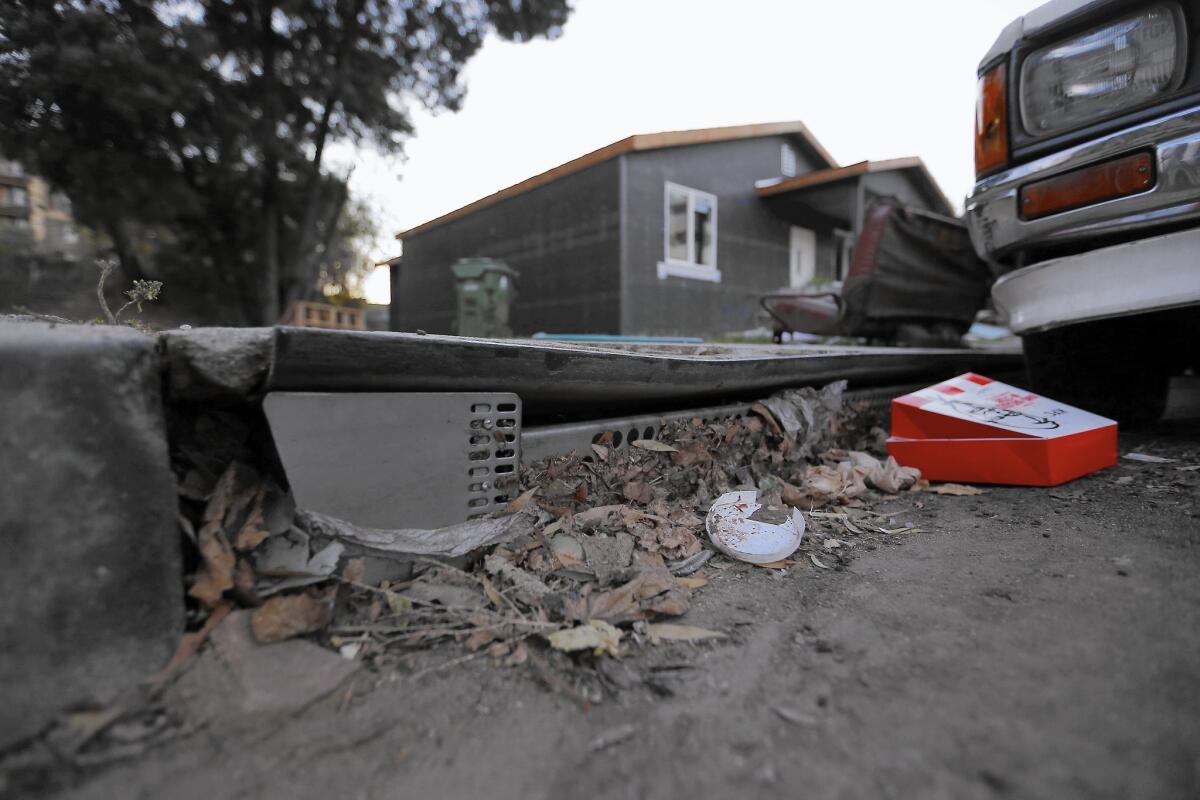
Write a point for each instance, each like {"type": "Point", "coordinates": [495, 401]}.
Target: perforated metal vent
{"type": "Point", "coordinates": [398, 459]}
{"type": "Point", "coordinates": [494, 442]}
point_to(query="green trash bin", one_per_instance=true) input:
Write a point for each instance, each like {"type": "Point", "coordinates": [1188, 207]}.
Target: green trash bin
{"type": "Point", "coordinates": [485, 288]}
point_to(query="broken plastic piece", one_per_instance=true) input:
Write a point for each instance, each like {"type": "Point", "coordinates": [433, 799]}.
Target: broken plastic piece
{"type": "Point", "coordinates": [743, 528]}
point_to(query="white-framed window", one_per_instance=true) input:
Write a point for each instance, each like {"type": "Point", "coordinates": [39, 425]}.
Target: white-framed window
{"type": "Point", "coordinates": [787, 161]}
{"type": "Point", "coordinates": [845, 250]}
{"type": "Point", "coordinates": [689, 234]}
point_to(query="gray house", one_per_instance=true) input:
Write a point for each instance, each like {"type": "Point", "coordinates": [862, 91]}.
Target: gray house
{"type": "Point", "coordinates": [667, 233]}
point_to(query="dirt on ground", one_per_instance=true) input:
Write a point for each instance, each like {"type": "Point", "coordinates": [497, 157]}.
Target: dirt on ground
{"type": "Point", "coordinates": [1024, 643]}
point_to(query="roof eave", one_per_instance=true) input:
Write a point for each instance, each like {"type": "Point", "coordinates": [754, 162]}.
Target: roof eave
{"type": "Point", "coordinates": [636, 143]}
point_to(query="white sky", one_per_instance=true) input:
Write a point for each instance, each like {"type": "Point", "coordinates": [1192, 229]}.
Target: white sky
{"type": "Point", "coordinates": [872, 79]}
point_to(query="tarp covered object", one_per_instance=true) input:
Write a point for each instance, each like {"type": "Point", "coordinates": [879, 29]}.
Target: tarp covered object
{"type": "Point", "coordinates": [909, 266]}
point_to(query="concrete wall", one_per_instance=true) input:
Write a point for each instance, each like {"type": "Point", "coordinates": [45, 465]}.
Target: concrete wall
{"type": "Point", "coordinates": [752, 243]}
{"type": "Point", "coordinates": [562, 237]}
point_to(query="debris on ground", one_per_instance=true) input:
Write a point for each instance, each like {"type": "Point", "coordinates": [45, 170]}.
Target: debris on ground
{"type": "Point", "coordinates": [1146, 458]}
{"type": "Point", "coordinates": [599, 550]}
{"type": "Point", "coordinates": [254, 679]}
{"type": "Point", "coordinates": [597, 636]}
{"type": "Point", "coordinates": [614, 736]}
{"type": "Point", "coordinates": [957, 489]}
{"type": "Point", "coordinates": [743, 528]}
{"type": "Point", "coordinates": [674, 632]}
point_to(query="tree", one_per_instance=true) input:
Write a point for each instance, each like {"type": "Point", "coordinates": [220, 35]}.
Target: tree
{"type": "Point", "coordinates": [201, 125]}
{"type": "Point", "coordinates": [344, 263]}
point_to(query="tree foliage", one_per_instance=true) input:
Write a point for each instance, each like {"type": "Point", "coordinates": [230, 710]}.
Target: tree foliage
{"type": "Point", "coordinates": [201, 125]}
{"type": "Point", "coordinates": [345, 264]}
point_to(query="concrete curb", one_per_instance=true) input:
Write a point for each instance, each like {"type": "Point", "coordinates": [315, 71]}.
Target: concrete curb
{"type": "Point", "coordinates": [90, 577]}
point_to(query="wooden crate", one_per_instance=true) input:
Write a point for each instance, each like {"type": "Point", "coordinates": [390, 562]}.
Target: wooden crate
{"type": "Point", "coordinates": [309, 314]}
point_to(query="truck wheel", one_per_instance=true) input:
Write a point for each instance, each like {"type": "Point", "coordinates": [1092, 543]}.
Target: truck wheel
{"type": "Point", "coordinates": [1109, 367]}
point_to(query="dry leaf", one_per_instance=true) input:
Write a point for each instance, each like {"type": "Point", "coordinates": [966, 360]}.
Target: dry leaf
{"type": "Point", "coordinates": [767, 417]}
{"type": "Point", "coordinates": [215, 576]}
{"type": "Point", "coordinates": [638, 492]}
{"type": "Point", "coordinates": [601, 451]}
{"type": "Point", "coordinates": [287, 615]}
{"type": "Point", "coordinates": [654, 445]}
{"type": "Point", "coordinates": [598, 636]}
{"type": "Point", "coordinates": [520, 655]}
{"type": "Point", "coordinates": [254, 530]}
{"type": "Point", "coordinates": [1148, 459]}
{"type": "Point", "coordinates": [492, 595]}
{"type": "Point", "coordinates": [397, 603]}
{"type": "Point", "coordinates": [480, 638]}
{"type": "Point", "coordinates": [659, 631]}
{"type": "Point", "coordinates": [813, 558]}
{"type": "Point", "coordinates": [243, 583]}
{"type": "Point", "coordinates": [189, 645]}
{"type": "Point", "coordinates": [692, 455]}
{"type": "Point", "coordinates": [956, 489]}
{"type": "Point", "coordinates": [652, 591]}
{"type": "Point", "coordinates": [353, 571]}
{"type": "Point", "coordinates": [692, 583]}
{"type": "Point", "coordinates": [781, 564]}
{"type": "Point", "coordinates": [520, 502]}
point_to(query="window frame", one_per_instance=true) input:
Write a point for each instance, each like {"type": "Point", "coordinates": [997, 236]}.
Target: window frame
{"type": "Point", "coordinates": [690, 268]}
{"type": "Point", "coordinates": [788, 154]}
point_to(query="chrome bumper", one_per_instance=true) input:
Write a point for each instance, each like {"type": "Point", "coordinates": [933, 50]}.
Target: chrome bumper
{"type": "Point", "coordinates": [994, 218]}
{"type": "Point", "coordinates": [1151, 274]}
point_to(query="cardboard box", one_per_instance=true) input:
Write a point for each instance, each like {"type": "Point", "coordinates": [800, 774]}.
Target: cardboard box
{"type": "Point", "coordinates": [972, 429]}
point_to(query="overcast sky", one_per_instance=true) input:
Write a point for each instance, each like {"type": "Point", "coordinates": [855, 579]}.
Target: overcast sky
{"type": "Point", "coordinates": [872, 79]}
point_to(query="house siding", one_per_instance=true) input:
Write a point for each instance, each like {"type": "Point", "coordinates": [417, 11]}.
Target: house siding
{"type": "Point", "coordinates": [901, 185]}
{"type": "Point", "coordinates": [752, 243]}
{"type": "Point", "coordinates": [564, 240]}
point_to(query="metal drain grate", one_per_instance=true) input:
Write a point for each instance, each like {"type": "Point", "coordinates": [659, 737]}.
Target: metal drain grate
{"type": "Point", "coordinates": [558, 440]}
{"type": "Point", "coordinates": [398, 459]}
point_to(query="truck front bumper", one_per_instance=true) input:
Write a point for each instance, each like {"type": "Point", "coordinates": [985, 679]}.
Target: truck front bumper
{"type": "Point", "coordinates": [994, 218]}
{"type": "Point", "coordinates": [1152, 274]}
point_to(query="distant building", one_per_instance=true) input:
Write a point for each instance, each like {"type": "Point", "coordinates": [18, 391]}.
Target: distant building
{"type": "Point", "coordinates": [666, 233]}
{"type": "Point", "coordinates": [30, 209]}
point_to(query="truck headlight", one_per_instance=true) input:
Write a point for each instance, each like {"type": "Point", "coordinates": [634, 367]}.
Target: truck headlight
{"type": "Point", "coordinates": [1116, 66]}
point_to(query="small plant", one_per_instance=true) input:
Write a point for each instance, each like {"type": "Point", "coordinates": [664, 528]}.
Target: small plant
{"type": "Point", "coordinates": [142, 292]}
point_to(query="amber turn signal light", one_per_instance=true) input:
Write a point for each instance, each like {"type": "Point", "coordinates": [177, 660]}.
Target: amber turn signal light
{"type": "Point", "coordinates": [991, 121]}
{"type": "Point", "coordinates": [1083, 187]}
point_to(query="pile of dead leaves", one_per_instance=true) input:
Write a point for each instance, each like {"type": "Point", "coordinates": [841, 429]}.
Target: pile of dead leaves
{"type": "Point", "coordinates": [597, 543]}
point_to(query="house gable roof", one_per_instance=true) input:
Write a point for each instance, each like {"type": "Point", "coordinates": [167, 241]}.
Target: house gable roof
{"type": "Point", "coordinates": [630, 144]}
{"type": "Point", "coordinates": [827, 176]}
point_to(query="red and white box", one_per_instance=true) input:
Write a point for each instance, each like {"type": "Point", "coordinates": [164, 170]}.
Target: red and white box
{"type": "Point", "coordinates": [972, 429]}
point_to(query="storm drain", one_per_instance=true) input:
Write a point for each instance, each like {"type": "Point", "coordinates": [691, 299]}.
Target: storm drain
{"type": "Point", "coordinates": [398, 459]}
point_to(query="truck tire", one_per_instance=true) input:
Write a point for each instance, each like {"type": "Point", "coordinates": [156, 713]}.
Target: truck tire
{"type": "Point", "coordinates": [1115, 368]}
